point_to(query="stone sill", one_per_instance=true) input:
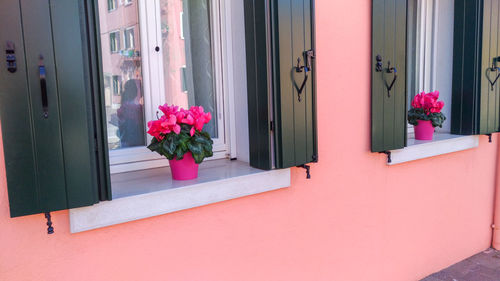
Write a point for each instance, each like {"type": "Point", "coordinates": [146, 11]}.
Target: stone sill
{"type": "Point", "coordinates": [143, 194]}
{"type": "Point", "coordinates": [443, 143]}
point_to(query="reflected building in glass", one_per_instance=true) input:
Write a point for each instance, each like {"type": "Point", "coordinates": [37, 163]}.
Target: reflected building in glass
{"type": "Point", "coordinates": [121, 59]}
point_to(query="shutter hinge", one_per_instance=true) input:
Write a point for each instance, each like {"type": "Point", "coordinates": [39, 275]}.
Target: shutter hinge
{"type": "Point", "coordinates": [308, 170]}
{"type": "Point", "coordinates": [315, 158]}
{"type": "Point", "coordinates": [489, 138]}
{"type": "Point", "coordinates": [388, 153]}
{"type": "Point", "coordinates": [271, 126]}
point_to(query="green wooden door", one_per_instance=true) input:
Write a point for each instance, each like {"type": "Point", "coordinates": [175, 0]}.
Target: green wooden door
{"type": "Point", "coordinates": [388, 60]}
{"type": "Point", "coordinates": [49, 148]}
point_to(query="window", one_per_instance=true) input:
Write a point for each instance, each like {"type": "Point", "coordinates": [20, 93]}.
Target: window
{"type": "Point", "coordinates": [116, 85]}
{"type": "Point", "coordinates": [112, 5]}
{"type": "Point", "coordinates": [114, 41]}
{"type": "Point", "coordinates": [127, 2]}
{"type": "Point", "coordinates": [183, 79]}
{"type": "Point", "coordinates": [185, 72]}
{"type": "Point", "coordinates": [129, 38]}
{"type": "Point", "coordinates": [444, 45]}
{"type": "Point", "coordinates": [161, 195]}
{"type": "Point", "coordinates": [135, 82]}
{"type": "Point", "coordinates": [430, 52]}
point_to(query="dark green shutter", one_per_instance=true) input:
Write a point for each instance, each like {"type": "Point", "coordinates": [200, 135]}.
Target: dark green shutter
{"type": "Point", "coordinates": [51, 163]}
{"type": "Point", "coordinates": [475, 105]}
{"type": "Point", "coordinates": [389, 45]}
{"type": "Point", "coordinates": [278, 32]}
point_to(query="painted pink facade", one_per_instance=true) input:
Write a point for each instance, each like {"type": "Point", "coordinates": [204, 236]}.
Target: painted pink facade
{"type": "Point", "coordinates": [356, 219]}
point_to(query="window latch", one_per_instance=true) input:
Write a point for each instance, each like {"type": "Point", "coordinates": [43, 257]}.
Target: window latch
{"type": "Point", "coordinates": [394, 71]}
{"type": "Point", "coordinates": [306, 68]}
{"type": "Point", "coordinates": [489, 70]}
{"type": "Point", "coordinates": [11, 57]}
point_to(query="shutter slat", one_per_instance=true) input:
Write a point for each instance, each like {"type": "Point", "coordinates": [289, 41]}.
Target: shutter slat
{"type": "Point", "coordinates": [47, 132]}
{"type": "Point", "coordinates": [299, 107]}
{"type": "Point", "coordinates": [75, 103]}
{"type": "Point", "coordinates": [16, 120]}
{"type": "Point", "coordinates": [310, 107]}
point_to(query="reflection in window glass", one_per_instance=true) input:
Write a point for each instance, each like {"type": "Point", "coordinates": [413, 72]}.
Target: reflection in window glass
{"type": "Point", "coordinates": [129, 38]}
{"type": "Point", "coordinates": [114, 41]}
{"type": "Point", "coordinates": [123, 78]}
{"type": "Point", "coordinates": [187, 56]}
{"type": "Point", "coordinates": [112, 5]}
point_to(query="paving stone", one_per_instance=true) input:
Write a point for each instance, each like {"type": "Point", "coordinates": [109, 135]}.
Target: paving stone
{"type": "Point", "coordinates": [484, 266]}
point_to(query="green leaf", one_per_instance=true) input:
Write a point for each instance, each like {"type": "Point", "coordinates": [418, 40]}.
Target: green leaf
{"type": "Point", "coordinates": [169, 147]}
{"type": "Point", "coordinates": [179, 153]}
{"type": "Point", "coordinates": [195, 148]}
{"type": "Point", "coordinates": [198, 158]}
{"type": "Point", "coordinates": [154, 146]}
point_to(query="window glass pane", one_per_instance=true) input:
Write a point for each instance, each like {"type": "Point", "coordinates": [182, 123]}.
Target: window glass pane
{"type": "Point", "coordinates": [129, 38]}
{"type": "Point", "coordinates": [188, 56]}
{"type": "Point", "coordinates": [123, 88]}
{"type": "Point", "coordinates": [111, 5]}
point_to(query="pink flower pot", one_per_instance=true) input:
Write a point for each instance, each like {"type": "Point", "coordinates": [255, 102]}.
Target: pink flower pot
{"type": "Point", "coordinates": [424, 130]}
{"type": "Point", "coordinates": [185, 169]}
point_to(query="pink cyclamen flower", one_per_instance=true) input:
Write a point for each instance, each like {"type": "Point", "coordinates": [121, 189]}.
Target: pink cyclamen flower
{"type": "Point", "coordinates": [428, 102]}
{"type": "Point", "coordinates": [174, 117]}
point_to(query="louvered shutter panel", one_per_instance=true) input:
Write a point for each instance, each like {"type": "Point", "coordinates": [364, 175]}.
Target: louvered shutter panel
{"type": "Point", "coordinates": [476, 103]}
{"type": "Point", "coordinates": [281, 82]}
{"type": "Point", "coordinates": [388, 63]}
{"type": "Point", "coordinates": [49, 146]}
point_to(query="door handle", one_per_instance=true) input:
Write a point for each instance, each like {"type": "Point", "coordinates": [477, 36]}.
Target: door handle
{"type": "Point", "coordinates": [43, 87]}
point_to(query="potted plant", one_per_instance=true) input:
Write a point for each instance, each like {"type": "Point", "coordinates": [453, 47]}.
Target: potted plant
{"type": "Point", "coordinates": [426, 115]}
{"type": "Point", "coordinates": [178, 135]}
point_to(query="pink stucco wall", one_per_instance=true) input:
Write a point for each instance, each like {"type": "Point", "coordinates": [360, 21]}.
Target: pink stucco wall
{"type": "Point", "coordinates": [356, 219]}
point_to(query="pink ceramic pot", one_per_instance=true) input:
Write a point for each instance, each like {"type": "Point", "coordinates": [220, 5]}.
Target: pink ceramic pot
{"type": "Point", "coordinates": [424, 130]}
{"type": "Point", "coordinates": [185, 169]}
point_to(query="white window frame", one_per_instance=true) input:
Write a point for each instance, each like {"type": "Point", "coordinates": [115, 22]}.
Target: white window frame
{"type": "Point", "coordinates": [139, 158]}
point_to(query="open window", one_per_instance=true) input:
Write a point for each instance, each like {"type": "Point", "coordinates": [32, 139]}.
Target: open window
{"type": "Point", "coordinates": [430, 53]}
{"type": "Point", "coordinates": [102, 76]}
{"type": "Point", "coordinates": [165, 61]}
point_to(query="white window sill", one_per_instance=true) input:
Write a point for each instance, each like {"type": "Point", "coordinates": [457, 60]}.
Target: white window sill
{"type": "Point", "coordinates": [442, 144]}
{"type": "Point", "coordinates": [143, 194]}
